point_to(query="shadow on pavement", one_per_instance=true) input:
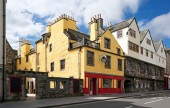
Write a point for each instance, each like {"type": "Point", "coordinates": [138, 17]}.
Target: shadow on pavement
{"type": "Point", "coordinates": [104, 104]}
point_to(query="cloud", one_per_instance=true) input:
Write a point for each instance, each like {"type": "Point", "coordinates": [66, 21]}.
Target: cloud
{"type": "Point", "coordinates": [21, 21]}
{"type": "Point", "coordinates": [159, 26]}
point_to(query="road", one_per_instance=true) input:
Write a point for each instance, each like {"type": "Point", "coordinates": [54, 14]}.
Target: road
{"type": "Point", "coordinates": [161, 100]}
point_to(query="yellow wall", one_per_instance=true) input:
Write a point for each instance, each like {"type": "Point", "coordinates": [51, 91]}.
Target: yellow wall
{"type": "Point", "coordinates": [93, 31]}
{"type": "Point", "coordinates": [41, 50]}
{"type": "Point", "coordinates": [75, 59]}
{"type": "Point", "coordinates": [99, 66]}
{"type": "Point", "coordinates": [31, 64]}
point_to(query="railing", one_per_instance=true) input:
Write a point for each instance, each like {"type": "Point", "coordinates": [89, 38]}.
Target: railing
{"type": "Point", "coordinates": [87, 43]}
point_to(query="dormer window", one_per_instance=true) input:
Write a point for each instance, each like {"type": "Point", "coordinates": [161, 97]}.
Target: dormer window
{"type": "Point", "coordinates": [148, 41]}
{"type": "Point", "coordinates": [118, 51]}
{"type": "Point", "coordinates": [119, 34]}
{"type": "Point", "coordinates": [107, 43]}
{"type": "Point", "coordinates": [132, 33]}
{"type": "Point", "coordinates": [162, 50]}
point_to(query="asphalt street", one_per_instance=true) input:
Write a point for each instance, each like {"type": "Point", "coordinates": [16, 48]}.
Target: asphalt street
{"type": "Point", "coordinates": [160, 100]}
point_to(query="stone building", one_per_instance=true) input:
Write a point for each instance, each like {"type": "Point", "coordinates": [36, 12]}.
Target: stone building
{"type": "Point", "coordinates": [167, 71]}
{"type": "Point", "coordinates": [11, 55]}
{"type": "Point", "coordinates": [145, 59]}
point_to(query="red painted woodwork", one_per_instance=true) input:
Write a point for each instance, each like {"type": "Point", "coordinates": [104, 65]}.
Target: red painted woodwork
{"type": "Point", "coordinates": [101, 90]}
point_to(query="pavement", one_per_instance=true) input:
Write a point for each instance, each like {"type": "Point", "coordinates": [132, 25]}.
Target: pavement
{"type": "Point", "coordinates": [58, 102]}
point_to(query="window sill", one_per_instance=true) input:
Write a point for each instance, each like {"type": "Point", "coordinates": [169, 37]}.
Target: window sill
{"type": "Point", "coordinates": [89, 65]}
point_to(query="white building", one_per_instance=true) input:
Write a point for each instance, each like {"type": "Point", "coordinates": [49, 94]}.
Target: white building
{"type": "Point", "coordinates": [143, 55]}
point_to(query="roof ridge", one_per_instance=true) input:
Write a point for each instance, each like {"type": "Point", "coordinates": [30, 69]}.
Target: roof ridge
{"type": "Point", "coordinates": [122, 21]}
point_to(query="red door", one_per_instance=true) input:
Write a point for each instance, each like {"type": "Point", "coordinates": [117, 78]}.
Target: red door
{"type": "Point", "coordinates": [94, 86]}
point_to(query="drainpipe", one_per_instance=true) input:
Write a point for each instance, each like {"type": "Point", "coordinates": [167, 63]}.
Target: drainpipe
{"type": "Point", "coordinates": [46, 55]}
{"type": "Point", "coordinates": [79, 62]}
{"type": "Point", "coordinates": [4, 50]}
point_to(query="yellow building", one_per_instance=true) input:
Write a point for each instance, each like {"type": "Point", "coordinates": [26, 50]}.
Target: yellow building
{"type": "Point", "coordinates": [65, 52]}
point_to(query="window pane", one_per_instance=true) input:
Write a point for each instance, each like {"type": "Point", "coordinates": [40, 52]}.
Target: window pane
{"type": "Point", "coordinates": [52, 84]}
{"type": "Point", "coordinates": [62, 84]}
{"type": "Point", "coordinates": [62, 64]}
{"type": "Point", "coordinates": [107, 83]}
{"type": "Point", "coordinates": [90, 58]}
{"type": "Point", "coordinates": [107, 43]}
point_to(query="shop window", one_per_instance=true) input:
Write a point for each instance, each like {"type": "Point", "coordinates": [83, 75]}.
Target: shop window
{"type": "Point", "coordinates": [107, 83]}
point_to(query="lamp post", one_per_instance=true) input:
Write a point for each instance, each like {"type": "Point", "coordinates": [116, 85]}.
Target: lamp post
{"type": "Point", "coordinates": [4, 50]}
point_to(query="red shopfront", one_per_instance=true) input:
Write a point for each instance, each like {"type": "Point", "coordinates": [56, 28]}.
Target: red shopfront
{"type": "Point", "coordinates": [102, 84]}
{"type": "Point", "coordinates": [166, 81]}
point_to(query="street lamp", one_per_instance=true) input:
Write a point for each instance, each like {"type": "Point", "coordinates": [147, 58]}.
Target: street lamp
{"type": "Point", "coordinates": [4, 50]}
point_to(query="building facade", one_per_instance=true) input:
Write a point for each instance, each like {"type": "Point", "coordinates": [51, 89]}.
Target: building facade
{"type": "Point", "coordinates": [1, 45]}
{"type": "Point", "coordinates": [145, 59]}
{"type": "Point", "coordinates": [167, 71]}
{"type": "Point", "coordinates": [65, 52]}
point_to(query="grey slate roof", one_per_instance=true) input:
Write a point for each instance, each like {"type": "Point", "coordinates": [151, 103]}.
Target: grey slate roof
{"type": "Point", "coordinates": [121, 25]}
{"type": "Point", "coordinates": [143, 34]}
{"type": "Point", "coordinates": [157, 44]}
{"type": "Point", "coordinates": [75, 35]}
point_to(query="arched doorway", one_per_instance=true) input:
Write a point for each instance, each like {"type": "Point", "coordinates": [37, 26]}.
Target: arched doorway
{"type": "Point", "coordinates": [127, 85]}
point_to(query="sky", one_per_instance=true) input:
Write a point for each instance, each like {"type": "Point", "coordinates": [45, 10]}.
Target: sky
{"type": "Point", "coordinates": [28, 18]}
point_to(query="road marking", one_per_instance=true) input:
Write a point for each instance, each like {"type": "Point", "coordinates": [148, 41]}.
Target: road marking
{"type": "Point", "coordinates": [129, 107]}
{"type": "Point", "coordinates": [153, 101]}
{"type": "Point", "coordinates": [156, 97]}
